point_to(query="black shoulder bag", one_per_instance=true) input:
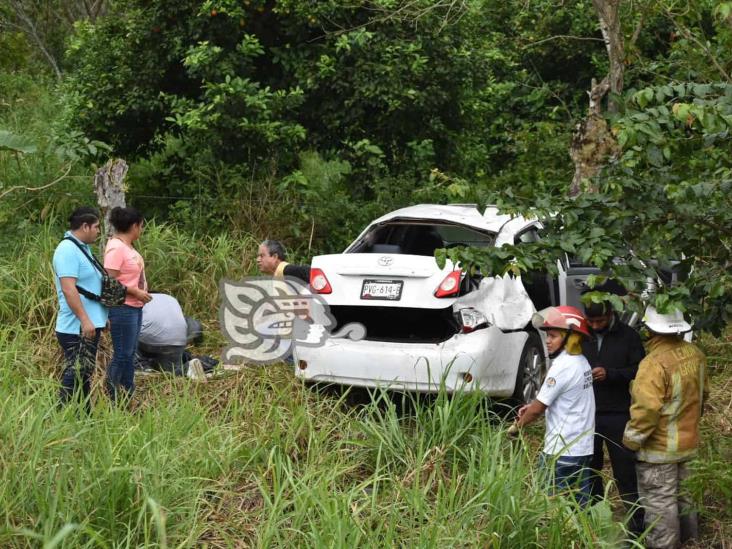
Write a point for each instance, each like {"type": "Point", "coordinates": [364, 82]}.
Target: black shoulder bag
{"type": "Point", "coordinates": [113, 292]}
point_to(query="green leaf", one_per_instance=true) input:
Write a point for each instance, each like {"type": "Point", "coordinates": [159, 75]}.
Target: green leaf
{"type": "Point", "coordinates": [616, 302]}
{"type": "Point", "coordinates": [623, 137]}
{"type": "Point", "coordinates": [681, 111]}
{"type": "Point", "coordinates": [717, 290]}
{"type": "Point", "coordinates": [14, 143]}
{"type": "Point", "coordinates": [441, 257]}
{"type": "Point", "coordinates": [567, 246]}
{"type": "Point", "coordinates": [647, 95]}
{"type": "Point", "coordinates": [662, 303]}
{"type": "Point", "coordinates": [701, 90]}
{"type": "Point", "coordinates": [723, 10]}
{"type": "Point", "coordinates": [643, 97]}
{"type": "Point", "coordinates": [680, 89]}
{"type": "Point", "coordinates": [597, 232]}
{"type": "Point", "coordinates": [655, 156]}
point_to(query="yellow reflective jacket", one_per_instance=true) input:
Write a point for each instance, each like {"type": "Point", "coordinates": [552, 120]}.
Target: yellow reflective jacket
{"type": "Point", "coordinates": [667, 397]}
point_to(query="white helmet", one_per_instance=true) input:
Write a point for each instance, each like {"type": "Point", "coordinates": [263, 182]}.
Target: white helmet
{"type": "Point", "coordinates": [670, 323]}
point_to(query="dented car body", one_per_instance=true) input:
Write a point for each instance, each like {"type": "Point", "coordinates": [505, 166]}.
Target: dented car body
{"type": "Point", "coordinates": [429, 327]}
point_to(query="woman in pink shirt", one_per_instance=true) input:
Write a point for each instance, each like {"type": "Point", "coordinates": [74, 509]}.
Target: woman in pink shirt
{"type": "Point", "coordinates": [124, 263]}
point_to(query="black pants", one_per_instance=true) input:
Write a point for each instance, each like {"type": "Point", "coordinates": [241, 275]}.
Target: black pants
{"type": "Point", "coordinates": [168, 358]}
{"type": "Point", "coordinates": [609, 429]}
{"type": "Point", "coordinates": [80, 357]}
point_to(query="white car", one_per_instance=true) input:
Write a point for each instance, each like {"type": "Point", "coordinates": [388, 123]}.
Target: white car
{"type": "Point", "coordinates": [428, 327]}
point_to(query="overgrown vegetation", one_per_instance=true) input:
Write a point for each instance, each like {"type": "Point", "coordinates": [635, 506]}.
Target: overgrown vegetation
{"type": "Point", "coordinates": [302, 120]}
{"type": "Point", "coordinates": [255, 458]}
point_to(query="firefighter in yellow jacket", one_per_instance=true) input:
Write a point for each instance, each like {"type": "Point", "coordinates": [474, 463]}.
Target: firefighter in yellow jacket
{"type": "Point", "coordinates": [668, 395]}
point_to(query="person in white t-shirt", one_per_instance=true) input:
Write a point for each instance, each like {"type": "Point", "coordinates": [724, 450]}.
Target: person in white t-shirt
{"type": "Point", "coordinates": [567, 400]}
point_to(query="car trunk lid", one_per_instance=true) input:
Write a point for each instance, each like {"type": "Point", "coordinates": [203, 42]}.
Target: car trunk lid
{"type": "Point", "coordinates": [417, 278]}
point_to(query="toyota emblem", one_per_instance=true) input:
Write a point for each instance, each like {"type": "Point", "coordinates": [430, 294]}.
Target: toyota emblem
{"type": "Point", "coordinates": [385, 260]}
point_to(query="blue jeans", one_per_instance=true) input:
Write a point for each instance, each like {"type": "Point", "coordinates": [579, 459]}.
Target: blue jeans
{"type": "Point", "coordinates": [80, 357]}
{"type": "Point", "coordinates": [569, 473]}
{"type": "Point", "coordinates": [125, 322]}
{"type": "Point", "coordinates": [167, 358]}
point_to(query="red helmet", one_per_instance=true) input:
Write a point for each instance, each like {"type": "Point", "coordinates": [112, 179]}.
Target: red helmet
{"type": "Point", "coordinates": [563, 317]}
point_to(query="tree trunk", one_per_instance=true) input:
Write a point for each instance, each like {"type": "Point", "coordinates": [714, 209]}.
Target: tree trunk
{"type": "Point", "coordinates": [110, 189]}
{"type": "Point", "coordinates": [608, 12]}
{"type": "Point", "coordinates": [593, 144]}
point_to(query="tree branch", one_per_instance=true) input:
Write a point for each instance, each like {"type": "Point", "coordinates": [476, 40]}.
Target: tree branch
{"type": "Point", "coordinates": [636, 32]}
{"type": "Point", "coordinates": [565, 37]}
{"type": "Point", "coordinates": [409, 10]}
{"type": "Point", "coordinates": [608, 13]}
{"type": "Point", "coordinates": [30, 29]}
{"type": "Point", "coordinates": [713, 58]}
{"type": "Point", "coordinates": [21, 187]}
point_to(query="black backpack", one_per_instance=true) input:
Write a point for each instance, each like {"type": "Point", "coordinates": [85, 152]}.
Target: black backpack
{"type": "Point", "coordinates": [113, 292]}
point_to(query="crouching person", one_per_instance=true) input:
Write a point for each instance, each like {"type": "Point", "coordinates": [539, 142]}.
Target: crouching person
{"type": "Point", "coordinates": [164, 334]}
{"type": "Point", "coordinates": [667, 398]}
{"type": "Point", "coordinates": [567, 400]}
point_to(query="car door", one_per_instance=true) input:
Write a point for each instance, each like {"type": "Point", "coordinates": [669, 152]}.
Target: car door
{"type": "Point", "coordinates": [540, 285]}
{"type": "Point", "coordinates": [573, 280]}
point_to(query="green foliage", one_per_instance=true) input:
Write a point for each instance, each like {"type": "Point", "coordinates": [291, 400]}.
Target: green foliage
{"type": "Point", "coordinates": [303, 120]}
{"type": "Point", "coordinates": [665, 200]}
{"type": "Point", "coordinates": [15, 144]}
{"type": "Point", "coordinates": [29, 108]}
{"type": "Point", "coordinates": [232, 460]}
{"type": "Point", "coordinates": [220, 100]}
{"type": "Point", "coordinates": [16, 51]}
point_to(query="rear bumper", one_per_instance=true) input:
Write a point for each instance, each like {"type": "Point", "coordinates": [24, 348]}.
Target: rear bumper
{"type": "Point", "coordinates": [490, 356]}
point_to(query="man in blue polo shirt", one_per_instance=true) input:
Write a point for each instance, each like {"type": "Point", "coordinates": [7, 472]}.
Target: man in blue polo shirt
{"type": "Point", "coordinates": [80, 320]}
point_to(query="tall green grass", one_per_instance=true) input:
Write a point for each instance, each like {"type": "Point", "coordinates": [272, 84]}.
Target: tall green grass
{"type": "Point", "coordinates": [186, 266]}
{"type": "Point", "coordinates": [268, 463]}
{"type": "Point", "coordinates": [255, 458]}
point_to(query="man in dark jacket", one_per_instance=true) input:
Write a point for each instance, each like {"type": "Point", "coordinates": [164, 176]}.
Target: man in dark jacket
{"type": "Point", "coordinates": [614, 356]}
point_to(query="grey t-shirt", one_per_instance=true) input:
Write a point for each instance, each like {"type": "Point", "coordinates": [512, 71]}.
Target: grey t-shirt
{"type": "Point", "coordinates": [163, 322]}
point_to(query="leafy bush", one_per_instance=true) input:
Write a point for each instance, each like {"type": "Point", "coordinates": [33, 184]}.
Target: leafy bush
{"type": "Point", "coordinates": [223, 102]}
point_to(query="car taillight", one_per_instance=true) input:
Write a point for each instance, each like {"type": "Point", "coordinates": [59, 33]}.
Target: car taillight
{"type": "Point", "coordinates": [471, 320]}
{"type": "Point", "coordinates": [319, 282]}
{"type": "Point", "coordinates": [450, 286]}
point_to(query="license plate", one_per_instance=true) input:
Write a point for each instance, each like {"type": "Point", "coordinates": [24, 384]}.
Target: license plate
{"type": "Point", "coordinates": [390, 290]}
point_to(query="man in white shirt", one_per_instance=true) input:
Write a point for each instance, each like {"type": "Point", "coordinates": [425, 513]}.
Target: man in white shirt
{"type": "Point", "coordinates": [567, 400]}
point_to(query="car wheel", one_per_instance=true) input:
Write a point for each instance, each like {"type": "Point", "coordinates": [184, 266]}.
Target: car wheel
{"type": "Point", "coordinates": [531, 370]}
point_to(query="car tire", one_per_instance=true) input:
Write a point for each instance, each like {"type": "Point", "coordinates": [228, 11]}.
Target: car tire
{"type": "Point", "coordinates": [531, 370]}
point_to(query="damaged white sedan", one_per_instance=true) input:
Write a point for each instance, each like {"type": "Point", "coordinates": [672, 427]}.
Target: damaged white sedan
{"type": "Point", "coordinates": [427, 327]}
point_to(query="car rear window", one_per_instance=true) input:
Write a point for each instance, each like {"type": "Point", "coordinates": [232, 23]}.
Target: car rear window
{"type": "Point", "coordinates": [457, 234]}
{"type": "Point", "coordinates": [419, 238]}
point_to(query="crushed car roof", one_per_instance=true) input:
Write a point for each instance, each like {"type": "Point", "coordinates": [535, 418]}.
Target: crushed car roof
{"type": "Point", "coordinates": [465, 214]}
